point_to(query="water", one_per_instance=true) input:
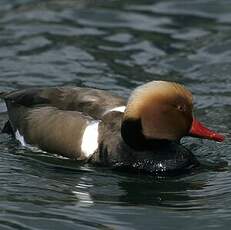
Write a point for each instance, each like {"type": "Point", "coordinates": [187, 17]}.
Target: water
{"type": "Point", "coordinates": [117, 45]}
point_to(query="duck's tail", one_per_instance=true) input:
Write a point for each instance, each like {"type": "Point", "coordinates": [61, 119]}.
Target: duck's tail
{"type": "Point", "coordinates": [2, 95]}
{"type": "Point", "coordinates": [7, 127]}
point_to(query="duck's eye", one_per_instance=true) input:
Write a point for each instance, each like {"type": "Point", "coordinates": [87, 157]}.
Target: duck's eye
{"type": "Point", "coordinates": [181, 108]}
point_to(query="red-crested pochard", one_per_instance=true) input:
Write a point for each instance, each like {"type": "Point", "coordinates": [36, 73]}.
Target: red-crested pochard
{"type": "Point", "coordinates": [97, 127]}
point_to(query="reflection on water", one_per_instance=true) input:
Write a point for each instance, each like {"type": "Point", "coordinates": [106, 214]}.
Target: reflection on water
{"type": "Point", "coordinates": [117, 45]}
{"type": "Point", "coordinates": [82, 192]}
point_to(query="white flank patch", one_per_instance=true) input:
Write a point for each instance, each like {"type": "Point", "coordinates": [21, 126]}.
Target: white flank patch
{"type": "Point", "coordinates": [90, 139]}
{"type": "Point", "coordinates": [117, 109]}
{"type": "Point", "coordinates": [20, 138]}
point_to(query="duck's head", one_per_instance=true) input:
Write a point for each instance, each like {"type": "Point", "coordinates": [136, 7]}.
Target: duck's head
{"type": "Point", "coordinates": [161, 111]}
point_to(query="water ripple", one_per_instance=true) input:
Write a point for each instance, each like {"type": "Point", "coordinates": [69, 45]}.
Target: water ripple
{"type": "Point", "coordinates": [116, 45]}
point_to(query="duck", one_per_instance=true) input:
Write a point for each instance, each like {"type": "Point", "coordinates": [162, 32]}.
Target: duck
{"type": "Point", "coordinates": [93, 126]}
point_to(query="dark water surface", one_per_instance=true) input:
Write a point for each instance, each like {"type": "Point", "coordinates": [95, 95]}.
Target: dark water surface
{"type": "Point", "coordinates": [117, 45]}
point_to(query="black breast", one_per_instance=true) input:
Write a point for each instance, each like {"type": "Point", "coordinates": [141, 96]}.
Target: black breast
{"type": "Point", "coordinates": [160, 158]}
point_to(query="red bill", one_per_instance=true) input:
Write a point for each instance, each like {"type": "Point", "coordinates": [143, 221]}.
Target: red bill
{"type": "Point", "coordinates": [199, 130]}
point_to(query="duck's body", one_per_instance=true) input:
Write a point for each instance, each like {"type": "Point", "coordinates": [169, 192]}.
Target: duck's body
{"type": "Point", "coordinates": [55, 119]}
{"type": "Point", "coordinates": [91, 125]}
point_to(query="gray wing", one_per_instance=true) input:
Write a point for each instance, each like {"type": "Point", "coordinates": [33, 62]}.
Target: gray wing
{"type": "Point", "coordinates": [92, 102]}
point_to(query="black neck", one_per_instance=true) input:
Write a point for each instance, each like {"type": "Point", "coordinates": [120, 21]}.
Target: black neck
{"type": "Point", "coordinates": [131, 132]}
